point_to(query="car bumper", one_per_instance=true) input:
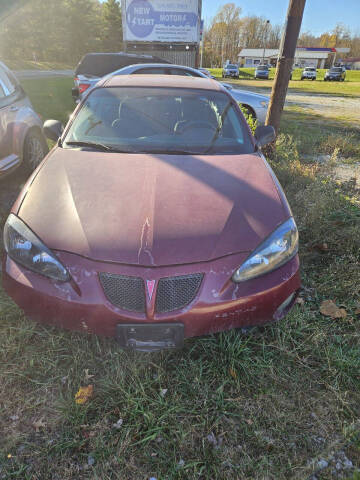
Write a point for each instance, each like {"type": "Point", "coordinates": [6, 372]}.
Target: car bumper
{"type": "Point", "coordinates": [231, 74]}
{"type": "Point", "coordinates": [219, 305]}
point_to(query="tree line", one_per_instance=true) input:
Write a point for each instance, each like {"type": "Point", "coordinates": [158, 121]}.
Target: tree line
{"type": "Point", "coordinates": [64, 30]}
{"type": "Point", "coordinates": [60, 30]}
{"type": "Point", "coordinates": [228, 32]}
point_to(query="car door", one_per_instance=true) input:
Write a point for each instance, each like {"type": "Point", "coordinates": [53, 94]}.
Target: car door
{"type": "Point", "coordinates": [7, 114]}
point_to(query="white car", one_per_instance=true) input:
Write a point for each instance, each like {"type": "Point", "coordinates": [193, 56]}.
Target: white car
{"type": "Point", "coordinates": [255, 105]}
{"type": "Point", "coordinates": [308, 73]}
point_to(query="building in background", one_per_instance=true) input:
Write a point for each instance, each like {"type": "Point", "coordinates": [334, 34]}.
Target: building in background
{"type": "Point", "coordinates": [169, 29]}
{"type": "Point", "coordinates": [304, 56]}
{"type": "Point", "coordinates": [352, 63]}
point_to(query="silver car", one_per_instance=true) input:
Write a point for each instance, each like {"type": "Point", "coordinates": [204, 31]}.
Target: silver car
{"type": "Point", "coordinates": [255, 105]}
{"type": "Point", "coordinates": [21, 138]}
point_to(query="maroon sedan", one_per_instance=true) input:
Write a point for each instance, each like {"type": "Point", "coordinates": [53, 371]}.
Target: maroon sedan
{"type": "Point", "coordinates": [155, 218]}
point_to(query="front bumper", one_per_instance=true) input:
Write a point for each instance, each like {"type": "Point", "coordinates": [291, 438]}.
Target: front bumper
{"type": "Point", "coordinates": [219, 305]}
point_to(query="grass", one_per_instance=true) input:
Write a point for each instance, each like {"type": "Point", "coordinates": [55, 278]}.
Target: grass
{"type": "Point", "coordinates": [51, 97]}
{"type": "Point", "coordinates": [351, 86]}
{"type": "Point", "coordinates": [267, 405]}
{"type": "Point", "coordinates": [32, 65]}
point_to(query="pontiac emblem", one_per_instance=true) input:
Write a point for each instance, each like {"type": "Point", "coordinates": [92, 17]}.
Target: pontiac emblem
{"type": "Point", "coordinates": [150, 285]}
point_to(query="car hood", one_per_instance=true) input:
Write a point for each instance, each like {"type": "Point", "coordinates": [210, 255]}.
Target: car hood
{"type": "Point", "coordinates": [152, 210]}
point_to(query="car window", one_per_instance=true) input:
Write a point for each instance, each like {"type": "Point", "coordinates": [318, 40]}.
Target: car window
{"type": "Point", "coordinates": [151, 71]}
{"type": "Point", "coordinates": [161, 120]}
{"type": "Point", "coordinates": [7, 85]}
{"type": "Point", "coordinates": [181, 71]}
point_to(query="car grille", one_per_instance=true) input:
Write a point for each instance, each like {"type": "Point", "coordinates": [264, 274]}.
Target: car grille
{"type": "Point", "coordinates": [174, 293]}
{"type": "Point", "coordinates": [128, 293]}
{"type": "Point", "coordinates": [124, 292]}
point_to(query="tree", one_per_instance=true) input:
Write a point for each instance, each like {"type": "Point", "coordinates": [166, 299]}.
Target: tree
{"type": "Point", "coordinates": [111, 36]}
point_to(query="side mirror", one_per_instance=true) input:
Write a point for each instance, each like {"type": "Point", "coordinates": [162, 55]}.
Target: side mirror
{"type": "Point", "coordinates": [264, 135]}
{"type": "Point", "coordinates": [53, 129]}
{"type": "Point", "coordinates": [75, 92]}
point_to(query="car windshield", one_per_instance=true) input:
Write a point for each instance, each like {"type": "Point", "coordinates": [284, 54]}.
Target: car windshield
{"type": "Point", "coordinates": [336, 69]}
{"type": "Point", "coordinates": [310, 69]}
{"type": "Point", "coordinates": [262, 67]}
{"type": "Point", "coordinates": [231, 66]}
{"type": "Point", "coordinates": [160, 120]}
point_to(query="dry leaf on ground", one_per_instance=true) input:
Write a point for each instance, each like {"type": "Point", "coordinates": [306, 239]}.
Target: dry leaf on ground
{"type": "Point", "coordinates": [233, 373]}
{"type": "Point", "coordinates": [330, 309]}
{"type": "Point", "coordinates": [39, 424]}
{"type": "Point", "coordinates": [87, 375]}
{"type": "Point", "coordinates": [84, 394]}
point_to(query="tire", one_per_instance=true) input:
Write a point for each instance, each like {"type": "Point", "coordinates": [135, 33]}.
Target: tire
{"type": "Point", "coordinates": [35, 149]}
{"type": "Point", "coordinates": [312, 79]}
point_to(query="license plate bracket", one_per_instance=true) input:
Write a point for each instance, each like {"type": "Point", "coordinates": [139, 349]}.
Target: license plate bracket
{"type": "Point", "coordinates": [150, 337]}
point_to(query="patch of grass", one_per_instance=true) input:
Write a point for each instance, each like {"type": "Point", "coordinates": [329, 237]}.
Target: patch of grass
{"type": "Point", "coordinates": [31, 65]}
{"type": "Point", "coordinates": [264, 405]}
{"type": "Point", "coordinates": [51, 97]}
{"type": "Point", "coordinates": [349, 88]}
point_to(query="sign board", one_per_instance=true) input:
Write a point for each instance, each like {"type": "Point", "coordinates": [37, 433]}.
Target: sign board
{"type": "Point", "coordinates": [169, 21]}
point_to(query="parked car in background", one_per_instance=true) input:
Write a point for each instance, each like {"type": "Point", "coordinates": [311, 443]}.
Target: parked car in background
{"type": "Point", "coordinates": [309, 73]}
{"type": "Point", "coordinates": [21, 139]}
{"type": "Point", "coordinates": [254, 104]}
{"type": "Point", "coordinates": [230, 71]}
{"type": "Point", "coordinates": [206, 72]}
{"type": "Point", "coordinates": [262, 71]}
{"type": "Point", "coordinates": [335, 73]}
{"type": "Point", "coordinates": [93, 66]}
{"type": "Point", "coordinates": [157, 206]}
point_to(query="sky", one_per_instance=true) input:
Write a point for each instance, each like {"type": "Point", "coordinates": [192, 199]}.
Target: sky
{"type": "Point", "coordinates": [319, 15]}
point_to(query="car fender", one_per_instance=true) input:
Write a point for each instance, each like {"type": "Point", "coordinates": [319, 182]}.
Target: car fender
{"type": "Point", "coordinates": [25, 120]}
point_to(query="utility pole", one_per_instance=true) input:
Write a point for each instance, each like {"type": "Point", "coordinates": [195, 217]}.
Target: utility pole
{"type": "Point", "coordinates": [265, 39]}
{"type": "Point", "coordinates": [285, 62]}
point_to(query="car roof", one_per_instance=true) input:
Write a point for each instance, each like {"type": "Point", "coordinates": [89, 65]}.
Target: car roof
{"type": "Point", "coordinates": [165, 81]}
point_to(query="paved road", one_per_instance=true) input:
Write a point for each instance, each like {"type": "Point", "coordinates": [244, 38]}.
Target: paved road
{"type": "Point", "coordinates": [43, 73]}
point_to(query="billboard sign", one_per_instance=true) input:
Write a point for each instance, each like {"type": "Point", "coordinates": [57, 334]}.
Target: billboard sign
{"type": "Point", "coordinates": [167, 21]}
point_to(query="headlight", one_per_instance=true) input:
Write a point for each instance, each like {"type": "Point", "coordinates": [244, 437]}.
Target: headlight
{"type": "Point", "coordinates": [264, 103]}
{"type": "Point", "coordinates": [276, 250]}
{"type": "Point", "coordinates": [23, 246]}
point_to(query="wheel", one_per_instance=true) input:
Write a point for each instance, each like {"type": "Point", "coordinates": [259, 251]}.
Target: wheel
{"type": "Point", "coordinates": [313, 79]}
{"type": "Point", "coordinates": [35, 149]}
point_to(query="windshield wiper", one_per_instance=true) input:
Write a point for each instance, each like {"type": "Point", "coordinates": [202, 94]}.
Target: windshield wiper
{"type": "Point", "coordinates": [97, 146]}
{"type": "Point", "coordinates": [100, 146]}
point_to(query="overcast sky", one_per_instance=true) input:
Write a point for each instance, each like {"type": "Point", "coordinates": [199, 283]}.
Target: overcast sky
{"type": "Point", "coordinates": [319, 15]}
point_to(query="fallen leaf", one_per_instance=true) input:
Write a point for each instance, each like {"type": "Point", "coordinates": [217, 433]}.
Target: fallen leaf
{"type": "Point", "coordinates": [357, 311]}
{"type": "Point", "coordinates": [233, 373]}
{"type": "Point", "coordinates": [330, 309]}
{"type": "Point", "coordinates": [39, 424]}
{"type": "Point", "coordinates": [9, 455]}
{"type": "Point", "coordinates": [163, 392]}
{"type": "Point", "coordinates": [322, 247]}
{"type": "Point", "coordinates": [300, 301]}
{"type": "Point", "coordinates": [118, 423]}
{"type": "Point", "coordinates": [84, 394]}
{"type": "Point", "coordinates": [249, 421]}
{"type": "Point", "coordinates": [87, 375]}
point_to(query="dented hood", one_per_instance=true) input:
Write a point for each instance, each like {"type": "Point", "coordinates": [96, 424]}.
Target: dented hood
{"type": "Point", "coordinates": [152, 210]}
